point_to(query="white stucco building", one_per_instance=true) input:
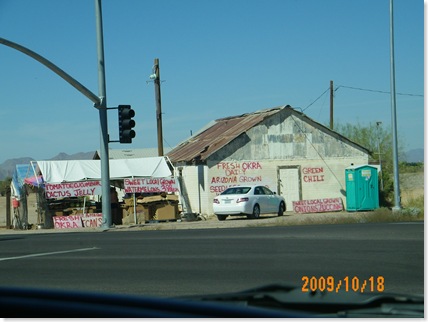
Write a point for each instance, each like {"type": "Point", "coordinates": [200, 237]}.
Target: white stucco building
{"type": "Point", "coordinates": [280, 147]}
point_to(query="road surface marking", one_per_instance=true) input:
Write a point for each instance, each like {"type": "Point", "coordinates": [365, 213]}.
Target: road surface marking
{"type": "Point", "coordinates": [50, 253]}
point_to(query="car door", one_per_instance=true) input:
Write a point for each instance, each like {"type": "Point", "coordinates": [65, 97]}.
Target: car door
{"type": "Point", "coordinates": [261, 199]}
{"type": "Point", "coordinates": [271, 200]}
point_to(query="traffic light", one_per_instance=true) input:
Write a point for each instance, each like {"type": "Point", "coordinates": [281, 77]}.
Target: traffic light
{"type": "Point", "coordinates": [126, 123]}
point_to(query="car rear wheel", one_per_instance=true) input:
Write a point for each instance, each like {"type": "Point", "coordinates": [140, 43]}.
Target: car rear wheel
{"type": "Point", "coordinates": [221, 217]}
{"type": "Point", "coordinates": [256, 213]}
{"type": "Point", "coordinates": [281, 209]}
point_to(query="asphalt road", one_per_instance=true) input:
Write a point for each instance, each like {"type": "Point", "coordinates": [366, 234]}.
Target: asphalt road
{"type": "Point", "coordinates": [204, 261]}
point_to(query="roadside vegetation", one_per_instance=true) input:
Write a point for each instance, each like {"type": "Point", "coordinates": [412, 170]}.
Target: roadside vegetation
{"type": "Point", "coordinates": [379, 142]}
{"type": "Point", "coordinates": [4, 185]}
{"type": "Point", "coordinates": [380, 215]}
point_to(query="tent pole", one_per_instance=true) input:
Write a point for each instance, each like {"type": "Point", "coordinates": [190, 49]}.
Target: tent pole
{"type": "Point", "coordinates": [135, 210]}
{"type": "Point", "coordinates": [84, 205]}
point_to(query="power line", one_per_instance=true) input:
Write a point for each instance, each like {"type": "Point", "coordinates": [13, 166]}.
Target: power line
{"type": "Point", "coordinates": [376, 91]}
{"type": "Point", "coordinates": [317, 98]}
{"type": "Point", "coordinates": [359, 89]}
{"type": "Point", "coordinates": [316, 150]}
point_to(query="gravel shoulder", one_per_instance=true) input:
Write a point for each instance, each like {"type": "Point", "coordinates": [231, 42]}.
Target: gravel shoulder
{"type": "Point", "coordinates": [289, 219]}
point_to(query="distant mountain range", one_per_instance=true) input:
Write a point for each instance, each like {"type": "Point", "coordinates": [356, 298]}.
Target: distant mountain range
{"type": "Point", "coordinates": [8, 167]}
{"type": "Point", "coordinates": [416, 155]}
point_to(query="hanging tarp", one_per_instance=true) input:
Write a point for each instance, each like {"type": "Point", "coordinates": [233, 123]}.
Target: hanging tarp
{"type": "Point", "coordinates": [35, 181]}
{"type": "Point", "coordinates": [19, 193]}
{"type": "Point", "coordinates": [18, 179]}
{"type": "Point", "coordinates": [81, 170]}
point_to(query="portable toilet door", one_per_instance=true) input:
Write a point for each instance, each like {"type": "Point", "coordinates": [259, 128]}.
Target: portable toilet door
{"type": "Point", "coordinates": [362, 188]}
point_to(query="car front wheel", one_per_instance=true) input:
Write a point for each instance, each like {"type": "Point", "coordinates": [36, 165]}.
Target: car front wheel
{"type": "Point", "coordinates": [281, 209]}
{"type": "Point", "coordinates": [221, 217]}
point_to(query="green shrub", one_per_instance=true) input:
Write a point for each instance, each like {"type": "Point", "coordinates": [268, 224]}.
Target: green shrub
{"type": "Point", "coordinates": [411, 167]}
{"type": "Point", "coordinates": [415, 208]}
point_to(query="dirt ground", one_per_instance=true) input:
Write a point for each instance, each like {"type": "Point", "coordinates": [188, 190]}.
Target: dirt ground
{"type": "Point", "coordinates": [411, 184]}
{"type": "Point", "coordinates": [32, 210]}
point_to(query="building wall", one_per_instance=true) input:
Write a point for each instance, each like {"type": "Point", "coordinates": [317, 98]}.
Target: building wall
{"type": "Point", "coordinates": [316, 179]}
{"type": "Point", "coordinates": [193, 188]}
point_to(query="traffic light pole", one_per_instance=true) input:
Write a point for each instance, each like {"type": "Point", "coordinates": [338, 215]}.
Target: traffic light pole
{"type": "Point", "coordinates": [94, 98]}
{"type": "Point", "coordinates": [104, 152]}
{"type": "Point", "coordinates": [100, 102]}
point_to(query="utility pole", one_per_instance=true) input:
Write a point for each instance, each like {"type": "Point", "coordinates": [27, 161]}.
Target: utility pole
{"type": "Point", "coordinates": [397, 197]}
{"type": "Point", "coordinates": [379, 153]}
{"type": "Point", "coordinates": [104, 157]}
{"type": "Point", "coordinates": [157, 82]}
{"type": "Point", "coordinates": [331, 105]}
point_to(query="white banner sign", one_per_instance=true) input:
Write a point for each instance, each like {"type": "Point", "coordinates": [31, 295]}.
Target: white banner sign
{"type": "Point", "coordinates": [72, 221]}
{"type": "Point", "coordinates": [78, 221]}
{"type": "Point", "coordinates": [92, 220]}
{"type": "Point", "coordinates": [318, 205]}
{"type": "Point", "coordinates": [141, 185]}
{"type": "Point", "coordinates": [73, 189]}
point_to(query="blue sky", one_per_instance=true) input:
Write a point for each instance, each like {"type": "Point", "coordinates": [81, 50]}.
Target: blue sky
{"type": "Point", "coordinates": [217, 58]}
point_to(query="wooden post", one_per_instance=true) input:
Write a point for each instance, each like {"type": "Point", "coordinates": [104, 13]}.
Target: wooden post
{"type": "Point", "coordinates": [157, 82]}
{"type": "Point", "coordinates": [8, 214]}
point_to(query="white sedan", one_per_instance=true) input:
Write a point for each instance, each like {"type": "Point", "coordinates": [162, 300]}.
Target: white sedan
{"type": "Point", "coordinates": [248, 200]}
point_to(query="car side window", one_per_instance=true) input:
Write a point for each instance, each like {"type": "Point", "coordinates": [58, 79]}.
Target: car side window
{"type": "Point", "coordinates": [259, 191]}
{"type": "Point", "coordinates": [229, 191]}
{"type": "Point", "coordinates": [245, 190]}
{"type": "Point", "coordinates": [267, 191]}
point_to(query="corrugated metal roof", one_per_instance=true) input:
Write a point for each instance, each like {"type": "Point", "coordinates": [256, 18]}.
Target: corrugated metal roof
{"type": "Point", "coordinates": [223, 131]}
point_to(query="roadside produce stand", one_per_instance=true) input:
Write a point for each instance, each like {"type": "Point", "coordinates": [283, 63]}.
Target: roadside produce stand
{"type": "Point", "coordinates": [72, 191]}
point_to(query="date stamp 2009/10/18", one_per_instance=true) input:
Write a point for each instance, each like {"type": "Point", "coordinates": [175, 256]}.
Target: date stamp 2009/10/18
{"type": "Point", "coordinates": [347, 284]}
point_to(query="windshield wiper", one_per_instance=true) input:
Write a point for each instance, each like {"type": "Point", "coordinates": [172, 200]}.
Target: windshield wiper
{"type": "Point", "coordinates": [323, 304]}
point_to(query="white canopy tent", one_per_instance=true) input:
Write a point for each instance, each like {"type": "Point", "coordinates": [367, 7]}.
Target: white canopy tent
{"type": "Point", "coordinates": [65, 171]}
{"type": "Point", "coordinates": [80, 170]}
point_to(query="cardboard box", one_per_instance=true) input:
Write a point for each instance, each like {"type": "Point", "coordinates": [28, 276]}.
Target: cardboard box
{"type": "Point", "coordinates": [149, 199]}
{"type": "Point", "coordinates": [158, 198]}
{"type": "Point", "coordinates": [91, 210]}
{"type": "Point", "coordinates": [172, 197]}
{"type": "Point", "coordinates": [129, 201]}
{"type": "Point", "coordinates": [128, 219]}
{"type": "Point", "coordinates": [143, 213]}
{"type": "Point", "coordinates": [166, 211]}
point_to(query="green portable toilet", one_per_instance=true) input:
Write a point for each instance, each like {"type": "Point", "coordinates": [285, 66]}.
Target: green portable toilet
{"type": "Point", "coordinates": [362, 188]}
